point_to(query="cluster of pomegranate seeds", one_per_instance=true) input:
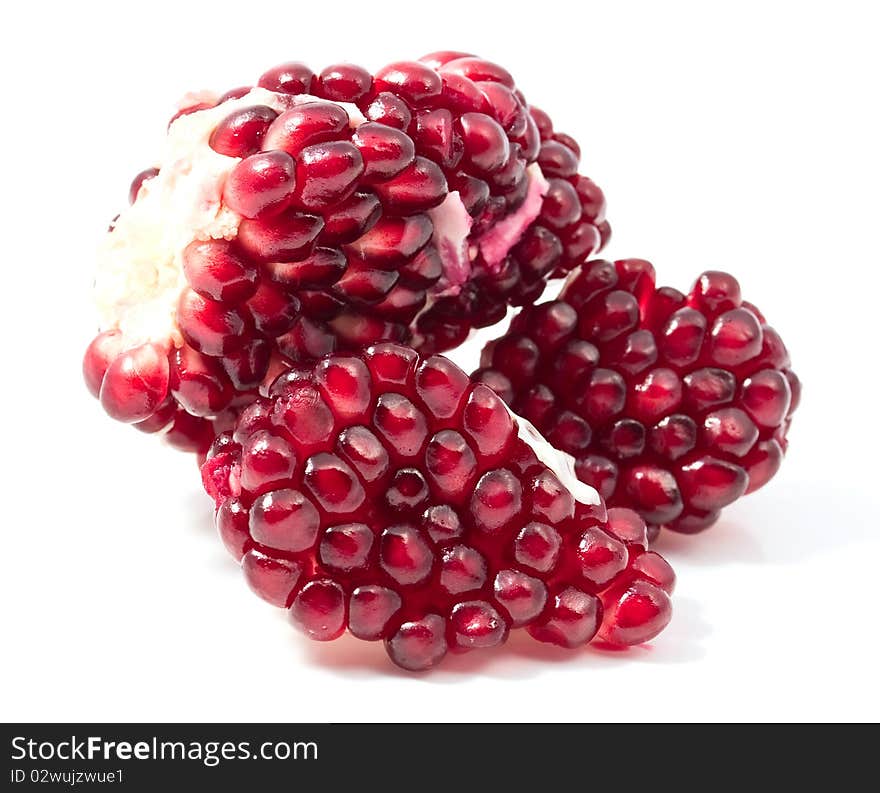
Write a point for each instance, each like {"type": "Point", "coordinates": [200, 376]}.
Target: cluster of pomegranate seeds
{"type": "Point", "coordinates": [673, 405]}
{"type": "Point", "coordinates": [409, 205]}
{"type": "Point", "coordinates": [390, 495]}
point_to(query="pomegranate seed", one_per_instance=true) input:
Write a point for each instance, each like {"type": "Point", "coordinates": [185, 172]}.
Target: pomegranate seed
{"type": "Point", "coordinates": [418, 644]}
{"type": "Point", "coordinates": [284, 519]}
{"type": "Point", "coordinates": [486, 146]}
{"type": "Point", "coordinates": [103, 350]}
{"type": "Point", "coordinates": [198, 382]}
{"type": "Point", "coordinates": [411, 81]}
{"type": "Point", "coordinates": [135, 383]}
{"type": "Point", "coordinates": [261, 185]}
{"type": "Point", "coordinates": [272, 578]}
{"type": "Point", "coordinates": [305, 125]}
{"type": "Point", "coordinates": [478, 70]}
{"type": "Point", "coordinates": [344, 82]}
{"type": "Point", "coordinates": [288, 237]}
{"type": "Point", "coordinates": [385, 151]}
{"type": "Point", "coordinates": [289, 78]}
{"type": "Point", "coordinates": [389, 109]}
{"type": "Point", "coordinates": [216, 271]}
{"type": "Point", "coordinates": [634, 613]}
{"type": "Point", "coordinates": [241, 133]}
{"type": "Point", "coordinates": [572, 619]}
{"type": "Point", "coordinates": [208, 325]}
{"type": "Point", "coordinates": [476, 624]}
{"type": "Point", "coordinates": [326, 174]}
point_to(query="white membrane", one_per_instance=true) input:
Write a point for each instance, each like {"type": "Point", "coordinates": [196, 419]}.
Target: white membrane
{"type": "Point", "coordinates": [561, 463]}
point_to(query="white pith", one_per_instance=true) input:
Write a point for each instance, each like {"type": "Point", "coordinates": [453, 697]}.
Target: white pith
{"type": "Point", "coordinates": [561, 463]}
{"type": "Point", "coordinates": [139, 274]}
{"type": "Point", "coordinates": [452, 227]}
{"type": "Point", "coordinates": [496, 244]}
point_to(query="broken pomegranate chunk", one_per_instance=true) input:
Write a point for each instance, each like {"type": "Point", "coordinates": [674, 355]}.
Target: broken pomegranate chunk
{"type": "Point", "coordinates": [673, 405]}
{"type": "Point", "coordinates": [314, 213]}
{"type": "Point", "coordinates": [387, 494]}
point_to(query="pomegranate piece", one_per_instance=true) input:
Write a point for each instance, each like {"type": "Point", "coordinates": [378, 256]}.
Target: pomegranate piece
{"type": "Point", "coordinates": [673, 405]}
{"type": "Point", "coordinates": [325, 211]}
{"type": "Point", "coordinates": [390, 495]}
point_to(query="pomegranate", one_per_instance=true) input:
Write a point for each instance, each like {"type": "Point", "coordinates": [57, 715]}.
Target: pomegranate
{"type": "Point", "coordinates": [673, 405]}
{"type": "Point", "coordinates": [388, 494]}
{"type": "Point", "coordinates": [316, 212]}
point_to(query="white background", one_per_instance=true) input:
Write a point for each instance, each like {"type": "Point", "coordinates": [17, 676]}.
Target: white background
{"type": "Point", "coordinates": [743, 139]}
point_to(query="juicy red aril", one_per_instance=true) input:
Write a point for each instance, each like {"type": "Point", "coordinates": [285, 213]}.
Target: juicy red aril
{"type": "Point", "coordinates": [104, 348]}
{"type": "Point", "coordinates": [261, 185]}
{"type": "Point", "coordinates": [241, 132]}
{"type": "Point", "coordinates": [389, 109]}
{"type": "Point", "coordinates": [344, 82]}
{"type": "Point", "coordinates": [289, 78]}
{"type": "Point", "coordinates": [284, 519]}
{"type": "Point", "coordinates": [390, 495]}
{"type": "Point", "coordinates": [385, 151]}
{"type": "Point", "coordinates": [326, 174]}
{"type": "Point", "coordinates": [633, 612]}
{"type": "Point", "coordinates": [572, 619]}
{"type": "Point", "coordinates": [304, 125]}
{"type": "Point", "coordinates": [319, 610]}
{"type": "Point", "coordinates": [286, 237]}
{"type": "Point", "coordinates": [674, 405]}
{"type": "Point", "coordinates": [411, 81]}
{"type": "Point", "coordinates": [476, 624]}
{"type": "Point", "coordinates": [209, 326]}
{"type": "Point", "coordinates": [418, 644]}
{"type": "Point", "coordinates": [216, 271]}
{"type": "Point", "coordinates": [273, 578]}
{"type": "Point", "coordinates": [135, 383]}
{"type": "Point", "coordinates": [347, 547]}
{"type": "Point", "coordinates": [198, 382]}
{"type": "Point", "coordinates": [420, 186]}
{"type": "Point", "coordinates": [486, 146]}
{"type": "Point", "coordinates": [370, 611]}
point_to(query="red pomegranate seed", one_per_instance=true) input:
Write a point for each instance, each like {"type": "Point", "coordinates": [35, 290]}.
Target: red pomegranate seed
{"type": "Point", "coordinates": [105, 347]}
{"type": "Point", "coordinates": [216, 271]}
{"type": "Point", "coordinates": [486, 146]}
{"type": "Point", "coordinates": [241, 133]}
{"type": "Point", "coordinates": [344, 82]}
{"type": "Point", "coordinates": [478, 70]}
{"type": "Point", "coordinates": [326, 174]}
{"type": "Point", "coordinates": [389, 109]}
{"type": "Point", "coordinates": [287, 237]}
{"type": "Point", "coordinates": [419, 187]}
{"type": "Point", "coordinates": [289, 78]}
{"type": "Point", "coordinates": [135, 383]}
{"type": "Point", "coordinates": [688, 408]}
{"type": "Point", "coordinates": [261, 185]}
{"type": "Point", "coordinates": [411, 81]}
{"type": "Point", "coordinates": [385, 151]}
{"type": "Point", "coordinates": [305, 125]}
{"type": "Point", "coordinates": [198, 382]}
{"type": "Point", "coordinates": [388, 494]}
{"type": "Point", "coordinates": [209, 326]}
